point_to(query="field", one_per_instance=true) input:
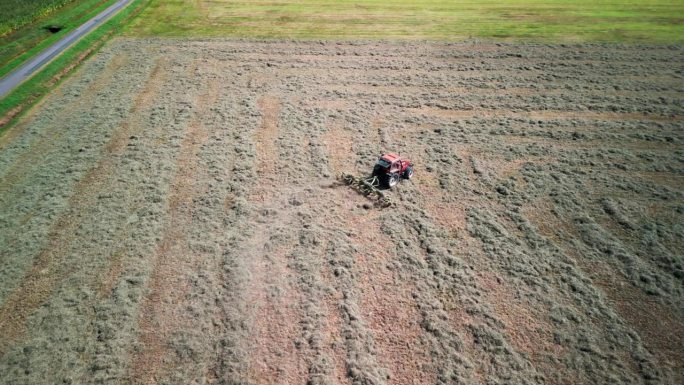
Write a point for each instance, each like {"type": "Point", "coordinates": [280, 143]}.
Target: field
{"type": "Point", "coordinates": [172, 214]}
{"type": "Point", "coordinates": [548, 21]}
{"type": "Point", "coordinates": [655, 21]}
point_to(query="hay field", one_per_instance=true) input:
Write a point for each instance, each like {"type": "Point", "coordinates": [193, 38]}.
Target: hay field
{"type": "Point", "coordinates": [171, 215]}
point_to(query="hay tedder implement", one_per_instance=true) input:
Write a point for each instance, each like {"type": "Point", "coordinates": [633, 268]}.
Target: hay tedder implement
{"type": "Point", "coordinates": [369, 187]}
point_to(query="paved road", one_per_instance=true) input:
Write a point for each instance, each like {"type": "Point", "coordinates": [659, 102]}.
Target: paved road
{"type": "Point", "coordinates": [26, 70]}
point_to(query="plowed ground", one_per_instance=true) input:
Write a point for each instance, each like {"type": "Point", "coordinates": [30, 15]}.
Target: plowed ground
{"type": "Point", "coordinates": [172, 215]}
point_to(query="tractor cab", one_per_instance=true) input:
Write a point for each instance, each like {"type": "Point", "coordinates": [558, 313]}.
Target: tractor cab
{"type": "Point", "coordinates": [388, 163]}
{"type": "Point", "coordinates": [390, 167]}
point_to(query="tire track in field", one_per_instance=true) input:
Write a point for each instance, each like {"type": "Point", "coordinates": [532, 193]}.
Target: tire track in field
{"type": "Point", "coordinates": [275, 358]}
{"type": "Point", "coordinates": [387, 306]}
{"type": "Point", "coordinates": [265, 145]}
{"type": "Point", "coordinates": [277, 317]}
{"type": "Point", "coordinates": [163, 312]}
{"type": "Point", "coordinates": [381, 295]}
{"type": "Point", "coordinates": [425, 278]}
{"type": "Point", "coordinates": [340, 346]}
{"type": "Point", "coordinates": [50, 267]}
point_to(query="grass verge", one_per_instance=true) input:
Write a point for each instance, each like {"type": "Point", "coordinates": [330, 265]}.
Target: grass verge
{"type": "Point", "coordinates": [656, 21]}
{"type": "Point", "coordinates": [32, 90]}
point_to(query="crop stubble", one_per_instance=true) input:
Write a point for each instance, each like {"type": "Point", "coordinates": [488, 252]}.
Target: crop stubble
{"type": "Point", "coordinates": [171, 215]}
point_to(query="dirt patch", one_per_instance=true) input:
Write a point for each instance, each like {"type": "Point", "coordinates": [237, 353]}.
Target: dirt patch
{"type": "Point", "coordinates": [339, 143]}
{"type": "Point", "coordinates": [386, 302]}
{"type": "Point", "coordinates": [267, 134]}
{"type": "Point", "coordinates": [277, 323]}
{"type": "Point", "coordinates": [277, 318]}
{"type": "Point", "coordinates": [529, 328]}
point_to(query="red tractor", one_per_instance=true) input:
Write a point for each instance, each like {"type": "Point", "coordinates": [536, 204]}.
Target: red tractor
{"type": "Point", "coordinates": [390, 167]}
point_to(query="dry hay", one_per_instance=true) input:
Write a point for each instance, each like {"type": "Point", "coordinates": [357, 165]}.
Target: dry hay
{"type": "Point", "coordinates": [171, 215]}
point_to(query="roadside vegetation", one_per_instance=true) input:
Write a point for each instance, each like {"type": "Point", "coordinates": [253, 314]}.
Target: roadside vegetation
{"type": "Point", "coordinates": [658, 21]}
{"type": "Point", "coordinates": [33, 89]}
{"type": "Point", "coordinates": [26, 27]}
{"type": "Point", "coordinates": [16, 13]}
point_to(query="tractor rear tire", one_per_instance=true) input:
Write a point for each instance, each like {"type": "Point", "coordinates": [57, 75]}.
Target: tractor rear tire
{"type": "Point", "coordinates": [408, 173]}
{"type": "Point", "coordinates": [392, 180]}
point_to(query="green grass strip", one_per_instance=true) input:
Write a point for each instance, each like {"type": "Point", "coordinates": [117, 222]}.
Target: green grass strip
{"type": "Point", "coordinates": [552, 21]}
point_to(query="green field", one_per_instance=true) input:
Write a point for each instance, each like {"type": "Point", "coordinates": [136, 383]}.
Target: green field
{"type": "Point", "coordinates": [657, 21]}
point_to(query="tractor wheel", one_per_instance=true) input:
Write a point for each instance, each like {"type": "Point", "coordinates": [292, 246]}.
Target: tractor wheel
{"type": "Point", "coordinates": [408, 173]}
{"type": "Point", "coordinates": [393, 180]}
